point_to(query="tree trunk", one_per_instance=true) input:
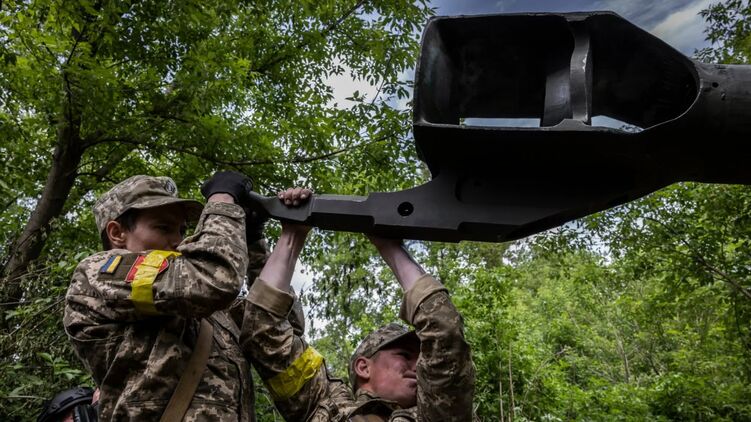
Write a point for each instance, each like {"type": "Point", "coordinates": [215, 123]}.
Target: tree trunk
{"type": "Point", "coordinates": [512, 405]}
{"type": "Point", "coordinates": [500, 387]}
{"type": "Point", "coordinates": [60, 178]}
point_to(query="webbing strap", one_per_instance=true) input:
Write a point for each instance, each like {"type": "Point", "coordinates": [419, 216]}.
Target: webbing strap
{"type": "Point", "coordinates": [289, 382]}
{"type": "Point", "coordinates": [142, 294]}
{"type": "Point", "coordinates": [186, 387]}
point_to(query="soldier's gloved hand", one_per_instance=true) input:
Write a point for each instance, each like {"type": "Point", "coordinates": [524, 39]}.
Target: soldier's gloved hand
{"type": "Point", "coordinates": [230, 182]}
{"type": "Point", "coordinates": [254, 224]}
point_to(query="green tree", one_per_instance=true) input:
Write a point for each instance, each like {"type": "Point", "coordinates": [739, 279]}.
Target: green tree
{"type": "Point", "coordinates": [96, 90]}
{"type": "Point", "coordinates": [729, 30]}
{"type": "Point", "coordinates": [93, 91]}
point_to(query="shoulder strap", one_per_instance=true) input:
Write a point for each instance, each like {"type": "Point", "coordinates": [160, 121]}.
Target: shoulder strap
{"type": "Point", "coordinates": [186, 387]}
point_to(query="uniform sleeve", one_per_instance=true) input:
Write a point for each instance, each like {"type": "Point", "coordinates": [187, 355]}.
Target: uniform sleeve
{"type": "Point", "coordinates": [445, 372]}
{"type": "Point", "coordinates": [204, 276]}
{"type": "Point", "coordinates": [293, 371]}
{"type": "Point", "coordinates": [258, 254]}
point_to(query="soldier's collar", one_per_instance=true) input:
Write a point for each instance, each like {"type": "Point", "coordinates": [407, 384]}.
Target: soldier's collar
{"type": "Point", "coordinates": [367, 400]}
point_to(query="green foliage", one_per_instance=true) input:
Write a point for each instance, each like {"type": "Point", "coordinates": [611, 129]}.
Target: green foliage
{"type": "Point", "coordinates": [640, 312]}
{"type": "Point", "coordinates": [181, 88]}
{"type": "Point", "coordinates": [184, 88]}
{"type": "Point", "coordinates": [729, 30]}
{"type": "Point", "coordinates": [37, 359]}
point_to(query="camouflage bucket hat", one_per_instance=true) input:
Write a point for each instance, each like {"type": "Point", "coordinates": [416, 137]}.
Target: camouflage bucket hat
{"type": "Point", "coordinates": [377, 340]}
{"type": "Point", "coordinates": [141, 192]}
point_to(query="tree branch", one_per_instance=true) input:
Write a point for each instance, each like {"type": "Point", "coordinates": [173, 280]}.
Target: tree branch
{"type": "Point", "coordinates": [215, 160]}
{"type": "Point", "coordinates": [11, 202]}
{"type": "Point", "coordinates": [114, 159]}
{"type": "Point", "coordinates": [15, 396]}
{"type": "Point", "coordinates": [300, 45]}
{"type": "Point", "coordinates": [383, 82]}
{"type": "Point", "coordinates": [77, 40]}
{"type": "Point", "coordinates": [32, 317]}
{"type": "Point", "coordinates": [100, 174]}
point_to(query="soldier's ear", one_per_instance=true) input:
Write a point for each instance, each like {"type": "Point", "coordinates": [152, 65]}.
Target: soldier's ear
{"type": "Point", "coordinates": [117, 234]}
{"type": "Point", "coordinates": [362, 369]}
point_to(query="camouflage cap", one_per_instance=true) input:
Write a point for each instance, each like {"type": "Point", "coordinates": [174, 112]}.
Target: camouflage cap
{"type": "Point", "coordinates": [141, 192]}
{"type": "Point", "coordinates": [377, 340]}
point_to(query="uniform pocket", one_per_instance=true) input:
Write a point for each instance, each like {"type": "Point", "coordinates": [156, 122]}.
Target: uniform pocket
{"type": "Point", "coordinates": [142, 410]}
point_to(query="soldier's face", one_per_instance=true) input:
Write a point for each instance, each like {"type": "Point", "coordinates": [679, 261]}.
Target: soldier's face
{"type": "Point", "coordinates": [393, 374]}
{"type": "Point", "coordinates": [160, 228]}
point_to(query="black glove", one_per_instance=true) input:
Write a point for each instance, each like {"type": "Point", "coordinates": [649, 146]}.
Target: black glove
{"type": "Point", "coordinates": [230, 182]}
{"type": "Point", "coordinates": [254, 224]}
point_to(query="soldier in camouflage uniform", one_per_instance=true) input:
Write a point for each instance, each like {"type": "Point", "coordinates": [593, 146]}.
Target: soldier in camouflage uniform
{"type": "Point", "coordinates": [133, 311]}
{"type": "Point", "coordinates": [398, 375]}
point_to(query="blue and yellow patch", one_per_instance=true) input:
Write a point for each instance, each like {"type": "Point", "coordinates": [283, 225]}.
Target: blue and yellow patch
{"type": "Point", "coordinates": [111, 265]}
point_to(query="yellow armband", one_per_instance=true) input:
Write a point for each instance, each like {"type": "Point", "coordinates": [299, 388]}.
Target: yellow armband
{"type": "Point", "coordinates": [289, 382]}
{"type": "Point", "coordinates": [142, 274]}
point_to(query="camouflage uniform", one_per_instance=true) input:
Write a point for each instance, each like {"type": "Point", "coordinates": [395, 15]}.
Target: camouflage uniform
{"type": "Point", "coordinates": [133, 318]}
{"type": "Point", "coordinates": [303, 389]}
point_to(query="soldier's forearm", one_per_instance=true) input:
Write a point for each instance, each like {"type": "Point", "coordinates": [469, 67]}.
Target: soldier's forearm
{"type": "Point", "coordinates": [280, 266]}
{"type": "Point", "coordinates": [405, 268]}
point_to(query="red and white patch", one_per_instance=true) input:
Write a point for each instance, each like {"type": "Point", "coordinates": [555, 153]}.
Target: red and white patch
{"type": "Point", "coordinates": [134, 268]}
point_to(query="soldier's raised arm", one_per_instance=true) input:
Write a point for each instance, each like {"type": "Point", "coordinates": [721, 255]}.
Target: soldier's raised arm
{"type": "Point", "coordinates": [149, 269]}
{"type": "Point", "coordinates": [134, 311]}
{"type": "Point", "coordinates": [445, 372]}
{"type": "Point", "coordinates": [293, 371]}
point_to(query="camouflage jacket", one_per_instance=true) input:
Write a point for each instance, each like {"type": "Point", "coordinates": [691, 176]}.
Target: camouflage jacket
{"type": "Point", "coordinates": [303, 389]}
{"type": "Point", "coordinates": [133, 320]}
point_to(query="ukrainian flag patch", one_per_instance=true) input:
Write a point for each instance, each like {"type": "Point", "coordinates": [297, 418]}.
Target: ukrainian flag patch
{"type": "Point", "coordinates": [111, 265]}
